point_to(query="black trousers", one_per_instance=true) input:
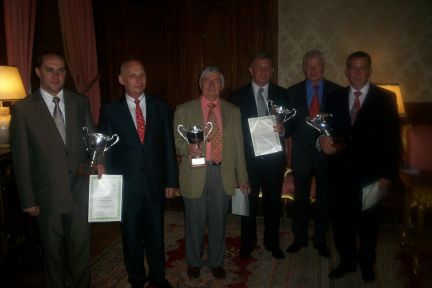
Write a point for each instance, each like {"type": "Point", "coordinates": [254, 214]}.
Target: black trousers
{"type": "Point", "coordinates": [302, 184]}
{"type": "Point", "coordinates": [350, 224]}
{"type": "Point", "coordinates": [269, 181]}
{"type": "Point", "coordinates": [142, 231]}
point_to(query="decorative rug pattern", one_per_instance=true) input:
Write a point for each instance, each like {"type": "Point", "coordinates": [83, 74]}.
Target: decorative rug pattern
{"type": "Point", "coordinates": [303, 269]}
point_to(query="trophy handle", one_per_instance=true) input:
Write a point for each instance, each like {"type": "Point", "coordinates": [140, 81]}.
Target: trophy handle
{"type": "Point", "coordinates": [85, 130]}
{"type": "Point", "coordinates": [269, 103]}
{"type": "Point", "coordinates": [117, 138]}
{"type": "Point", "coordinates": [293, 112]}
{"type": "Point", "coordinates": [309, 122]}
{"type": "Point", "coordinates": [180, 126]}
{"type": "Point", "coordinates": [208, 133]}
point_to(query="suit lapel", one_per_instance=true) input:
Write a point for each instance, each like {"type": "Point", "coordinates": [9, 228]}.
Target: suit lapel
{"type": "Point", "coordinates": [127, 121]}
{"type": "Point", "coordinates": [42, 109]}
{"type": "Point", "coordinates": [71, 116]}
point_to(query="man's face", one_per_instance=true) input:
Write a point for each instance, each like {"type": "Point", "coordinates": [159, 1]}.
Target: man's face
{"type": "Point", "coordinates": [133, 77]}
{"type": "Point", "coordinates": [358, 72]}
{"type": "Point", "coordinates": [52, 74]}
{"type": "Point", "coordinates": [313, 69]}
{"type": "Point", "coordinates": [261, 71]}
{"type": "Point", "coordinates": [211, 86]}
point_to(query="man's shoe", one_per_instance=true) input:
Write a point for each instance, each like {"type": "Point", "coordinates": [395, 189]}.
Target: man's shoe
{"type": "Point", "coordinates": [277, 253]}
{"type": "Point", "coordinates": [193, 272]}
{"type": "Point", "coordinates": [340, 271]}
{"type": "Point", "coordinates": [159, 284]}
{"type": "Point", "coordinates": [295, 247]}
{"type": "Point", "coordinates": [368, 275]}
{"type": "Point", "coordinates": [323, 250]}
{"type": "Point", "coordinates": [245, 253]}
{"type": "Point", "coordinates": [218, 272]}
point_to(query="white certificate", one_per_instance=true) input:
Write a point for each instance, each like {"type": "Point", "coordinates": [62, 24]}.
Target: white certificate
{"type": "Point", "coordinates": [372, 194]}
{"type": "Point", "coordinates": [264, 139]}
{"type": "Point", "coordinates": [105, 198]}
{"type": "Point", "coordinates": [240, 203]}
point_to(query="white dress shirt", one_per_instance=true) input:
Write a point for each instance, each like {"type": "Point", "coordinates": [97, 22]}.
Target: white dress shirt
{"type": "Point", "coordinates": [132, 107]}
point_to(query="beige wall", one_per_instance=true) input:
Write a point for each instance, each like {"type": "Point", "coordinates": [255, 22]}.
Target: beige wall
{"type": "Point", "coordinates": [396, 33]}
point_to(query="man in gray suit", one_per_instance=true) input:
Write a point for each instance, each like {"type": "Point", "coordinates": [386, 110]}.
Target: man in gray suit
{"type": "Point", "coordinates": [47, 149]}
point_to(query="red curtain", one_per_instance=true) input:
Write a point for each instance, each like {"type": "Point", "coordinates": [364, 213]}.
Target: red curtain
{"type": "Point", "coordinates": [19, 29]}
{"type": "Point", "coordinates": [76, 19]}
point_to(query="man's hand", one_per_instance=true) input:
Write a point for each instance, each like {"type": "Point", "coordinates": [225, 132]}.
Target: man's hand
{"type": "Point", "coordinates": [100, 169]}
{"type": "Point", "coordinates": [244, 187]}
{"type": "Point", "coordinates": [33, 211]}
{"type": "Point", "coordinates": [171, 192]}
{"type": "Point", "coordinates": [194, 150]}
{"type": "Point", "coordinates": [384, 183]}
{"type": "Point", "coordinates": [279, 128]}
{"type": "Point", "coordinates": [327, 145]}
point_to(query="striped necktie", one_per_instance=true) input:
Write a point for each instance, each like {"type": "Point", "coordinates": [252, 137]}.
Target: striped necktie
{"type": "Point", "coordinates": [58, 119]}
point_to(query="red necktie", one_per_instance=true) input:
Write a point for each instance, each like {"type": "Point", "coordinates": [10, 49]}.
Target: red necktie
{"type": "Point", "coordinates": [139, 121]}
{"type": "Point", "coordinates": [356, 106]}
{"type": "Point", "coordinates": [314, 107]}
{"type": "Point", "coordinates": [215, 135]}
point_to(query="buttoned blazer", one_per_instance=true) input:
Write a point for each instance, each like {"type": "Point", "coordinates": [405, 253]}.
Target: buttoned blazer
{"type": "Point", "coordinates": [45, 168]}
{"type": "Point", "coordinates": [304, 136]}
{"type": "Point", "coordinates": [244, 99]}
{"type": "Point", "coordinates": [373, 143]}
{"type": "Point", "coordinates": [147, 168]}
{"type": "Point", "coordinates": [233, 167]}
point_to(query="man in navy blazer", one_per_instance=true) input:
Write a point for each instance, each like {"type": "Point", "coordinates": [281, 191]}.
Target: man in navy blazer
{"type": "Point", "coordinates": [306, 160]}
{"type": "Point", "coordinates": [266, 172]}
{"type": "Point", "coordinates": [367, 154]}
{"type": "Point", "coordinates": [146, 158]}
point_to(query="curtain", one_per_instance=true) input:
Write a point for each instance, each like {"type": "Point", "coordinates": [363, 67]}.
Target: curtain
{"type": "Point", "coordinates": [19, 29]}
{"type": "Point", "coordinates": [76, 19]}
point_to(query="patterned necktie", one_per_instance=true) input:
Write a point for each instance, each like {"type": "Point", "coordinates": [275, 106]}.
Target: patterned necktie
{"type": "Point", "coordinates": [262, 106]}
{"type": "Point", "coordinates": [215, 135]}
{"type": "Point", "coordinates": [139, 121]}
{"type": "Point", "coordinates": [58, 119]}
{"type": "Point", "coordinates": [356, 107]}
{"type": "Point", "coordinates": [314, 107]}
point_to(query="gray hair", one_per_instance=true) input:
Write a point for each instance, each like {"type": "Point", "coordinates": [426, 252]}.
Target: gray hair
{"type": "Point", "coordinates": [314, 54]}
{"type": "Point", "coordinates": [211, 69]}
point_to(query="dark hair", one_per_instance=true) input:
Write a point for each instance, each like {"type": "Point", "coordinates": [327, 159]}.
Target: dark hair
{"type": "Point", "coordinates": [358, 54]}
{"type": "Point", "coordinates": [261, 55]}
{"type": "Point", "coordinates": [41, 57]}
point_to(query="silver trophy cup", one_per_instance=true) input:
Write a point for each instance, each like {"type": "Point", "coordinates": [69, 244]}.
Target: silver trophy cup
{"type": "Point", "coordinates": [196, 134]}
{"type": "Point", "coordinates": [322, 123]}
{"type": "Point", "coordinates": [96, 144]}
{"type": "Point", "coordinates": [282, 114]}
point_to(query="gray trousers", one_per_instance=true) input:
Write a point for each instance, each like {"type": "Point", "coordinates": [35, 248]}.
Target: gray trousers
{"type": "Point", "coordinates": [210, 210]}
{"type": "Point", "coordinates": [65, 243]}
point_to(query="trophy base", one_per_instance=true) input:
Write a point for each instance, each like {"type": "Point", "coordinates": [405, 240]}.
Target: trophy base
{"type": "Point", "coordinates": [85, 170]}
{"type": "Point", "coordinates": [198, 162]}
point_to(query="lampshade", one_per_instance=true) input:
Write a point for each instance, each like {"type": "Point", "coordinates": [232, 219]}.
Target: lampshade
{"type": "Point", "coordinates": [395, 88]}
{"type": "Point", "coordinates": [11, 86]}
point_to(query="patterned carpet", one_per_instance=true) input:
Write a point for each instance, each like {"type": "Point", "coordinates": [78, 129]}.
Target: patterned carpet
{"type": "Point", "coordinates": [303, 269]}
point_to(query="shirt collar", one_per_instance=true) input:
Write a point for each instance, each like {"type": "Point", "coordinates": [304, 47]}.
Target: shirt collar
{"type": "Point", "coordinates": [48, 96]}
{"type": "Point", "coordinates": [132, 99]}
{"type": "Point", "coordinates": [364, 89]}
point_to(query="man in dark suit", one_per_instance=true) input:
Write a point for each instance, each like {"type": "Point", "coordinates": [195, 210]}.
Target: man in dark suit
{"type": "Point", "coordinates": [47, 149]}
{"type": "Point", "coordinates": [145, 156]}
{"type": "Point", "coordinates": [207, 189]}
{"type": "Point", "coordinates": [266, 172]}
{"type": "Point", "coordinates": [367, 153]}
{"type": "Point", "coordinates": [309, 98]}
